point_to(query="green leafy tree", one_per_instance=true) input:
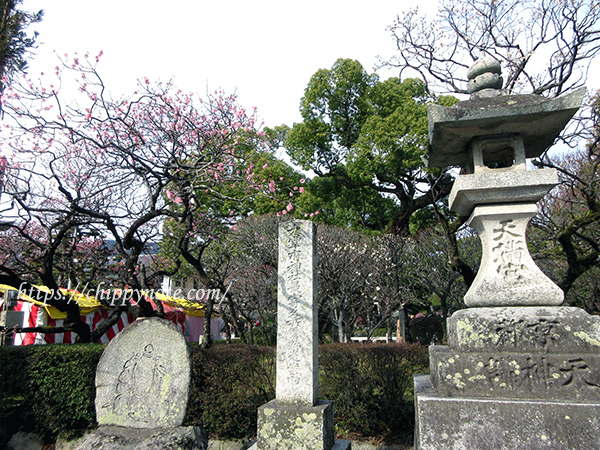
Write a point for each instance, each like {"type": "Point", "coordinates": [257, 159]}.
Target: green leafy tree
{"type": "Point", "coordinates": [15, 44]}
{"type": "Point", "coordinates": [365, 139]}
{"type": "Point", "coordinates": [334, 108]}
{"type": "Point", "coordinates": [340, 203]}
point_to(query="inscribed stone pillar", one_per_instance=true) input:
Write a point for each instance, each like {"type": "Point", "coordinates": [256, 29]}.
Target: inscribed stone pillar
{"type": "Point", "coordinates": [297, 324]}
{"type": "Point", "coordinates": [296, 419]}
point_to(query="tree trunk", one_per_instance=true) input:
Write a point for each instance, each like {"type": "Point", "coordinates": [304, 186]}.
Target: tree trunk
{"type": "Point", "coordinates": [208, 312]}
{"type": "Point", "coordinates": [340, 327]}
{"type": "Point", "coordinates": [105, 324]}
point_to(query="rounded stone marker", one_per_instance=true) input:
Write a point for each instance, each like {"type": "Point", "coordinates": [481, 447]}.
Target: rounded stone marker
{"type": "Point", "coordinates": [485, 64]}
{"type": "Point", "coordinates": [143, 377]}
{"type": "Point", "coordinates": [484, 81]}
{"type": "Point", "coordinates": [484, 74]}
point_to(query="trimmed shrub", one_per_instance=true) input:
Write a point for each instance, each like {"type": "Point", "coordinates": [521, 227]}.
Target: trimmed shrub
{"type": "Point", "coordinates": [62, 384]}
{"type": "Point", "coordinates": [15, 409]}
{"type": "Point", "coordinates": [48, 389]}
{"type": "Point", "coordinates": [229, 383]}
{"type": "Point", "coordinates": [372, 388]}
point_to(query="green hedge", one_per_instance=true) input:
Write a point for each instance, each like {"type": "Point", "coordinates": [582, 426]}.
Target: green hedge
{"type": "Point", "coordinates": [229, 383]}
{"type": "Point", "coordinates": [372, 388]}
{"type": "Point", "coordinates": [50, 389]}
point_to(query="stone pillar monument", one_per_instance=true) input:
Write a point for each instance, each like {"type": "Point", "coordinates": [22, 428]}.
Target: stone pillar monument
{"type": "Point", "coordinates": [296, 419]}
{"type": "Point", "coordinates": [297, 309]}
{"type": "Point", "coordinates": [518, 371]}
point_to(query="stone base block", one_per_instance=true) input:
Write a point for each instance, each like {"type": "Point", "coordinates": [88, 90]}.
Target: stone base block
{"type": "Point", "coordinates": [545, 376]}
{"type": "Point", "coordinates": [444, 423]}
{"type": "Point", "coordinates": [123, 438]}
{"type": "Point", "coordinates": [283, 426]}
{"type": "Point", "coordinates": [215, 444]}
{"type": "Point", "coordinates": [524, 329]}
{"type": "Point", "coordinates": [22, 440]}
{"type": "Point", "coordinates": [338, 444]}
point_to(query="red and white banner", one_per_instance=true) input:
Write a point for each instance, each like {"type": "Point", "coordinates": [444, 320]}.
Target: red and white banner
{"type": "Point", "coordinates": [34, 316]}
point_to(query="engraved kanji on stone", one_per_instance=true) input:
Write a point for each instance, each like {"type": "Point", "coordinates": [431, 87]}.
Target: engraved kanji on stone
{"type": "Point", "coordinates": [509, 250]}
{"type": "Point", "coordinates": [541, 333]}
{"type": "Point", "coordinates": [577, 372]}
{"type": "Point", "coordinates": [507, 332]}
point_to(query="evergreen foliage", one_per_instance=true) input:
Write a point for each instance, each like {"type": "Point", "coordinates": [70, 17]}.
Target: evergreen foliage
{"type": "Point", "coordinates": [15, 44]}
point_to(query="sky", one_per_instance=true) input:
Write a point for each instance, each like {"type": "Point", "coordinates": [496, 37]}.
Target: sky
{"type": "Point", "coordinates": [264, 50]}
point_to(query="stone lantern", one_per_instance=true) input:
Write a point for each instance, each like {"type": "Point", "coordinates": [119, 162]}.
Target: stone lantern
{"type": "Point", "coordinates": [491, 136]}
{"type": "Point", "coordinates": [519, 371]}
